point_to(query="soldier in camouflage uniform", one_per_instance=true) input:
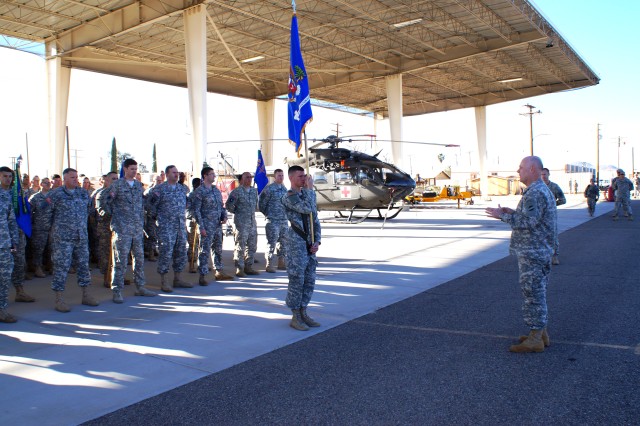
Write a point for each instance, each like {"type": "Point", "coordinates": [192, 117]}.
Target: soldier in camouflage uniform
{"type": "Point", "coordinates": [150, 227]}
{"type": "Point", "coordinates": [270, 204]}
{"type": "Point", "coordinates": [103, 228]}
{"type": "Point", "coordinates": [41, 226]}
{"type": "Point", "coordinates": [303, 241]}
{"type": "Point", "coordinates": [8, 243]}
{"type": "Point", "coordinates": [70, 208]}
{"type": "Point", "coordinates": [123, 201]}
{"type": "Point", "coordinates": [560, 199]}
{"type": "Point", "coordinates": [192, 236]}
{"type": "Point", "coordinates": [208, 211]}
{"type": "Point", "coordinates": [622, 188]}
{"type": "Point", "coordinates": [167, 203]}
{"type": "Point", "coordinates": [17, 274]}
{"type": "Point", "coordinates": [592, 193]}
{"type": "Point", "coordinates": [534, 224]}
{"type": "Point", "coordinates": [243, 203]}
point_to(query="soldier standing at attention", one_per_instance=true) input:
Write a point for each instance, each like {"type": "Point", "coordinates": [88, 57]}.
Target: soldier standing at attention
{"type": "Point", "coordinates": [70, 207]}
{"type": "Point", "coordinates": [243, 202]}
{"type": "Point", "coordinates": [167, 203]}
{"type": "Point", "coordinates": [532, 240]}
{"type": "Point", "coordinates": [41, 226]}
{"type": "Point", "coordinates": [270, 204]}
{"type": "Point", "coordinates": [123, 200]}
{"type": "Point", "coordinates": [103, 228]}
{"type": "Point", "coordinates": [8, 243]}
{"type": "Point", "coordinates": [560, 199]}
{"type": "Point", "coordinates": [17, 274]}
{"type": "Point", "coordinates": [193, 239]}
{"type": "Point", "coordinates": [592, 193]}
{"type": "Point", "coordinates": [622, 188]}
{"type": "Point", "coordinates": [303, 241]}
{"type": "Point", "coordinates": [207, 210]}
{"type": "Point", "coordinates": [150, 226]}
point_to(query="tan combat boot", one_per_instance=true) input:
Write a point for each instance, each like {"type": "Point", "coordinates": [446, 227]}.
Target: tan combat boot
{"type": "Point", "coordinates": [39, 273]}
{"type": "Point", "coordinates": [545, 338]}
{"type": "Point", "coordinates": [141, 290]}
{"type": "Point", "coordinates": [165, 285]}
{"type": "Point", "coordinates": [117, 296]}
{"type": "Point", "coordinates": [61, 306]}
{"type": "Point", "coordinates": [555, 260]}
{"type": "Point", "coordinates": [178, 283]}
{"type": "Point", "coordinates": [270, 268]}
{"type": "Point", "coordinates": [533, 343]}
{"type": "Point", "coordinates": [221, 276]}
{"type": "Point", "coordinates": [6, 316]}
{"type": "Point", "coordinates": [22, 296]}
{"type": "Point", "coordinates": [87, 298]}
{"type": "Point", "coordinates": [307, 319]}
{"type": "Point", "coordinates": [297, 322]}
{"type": "Point", "coordinates": [240, 272]}
{"type": "Point", "coordinates": [203, 280]}
{"type": "Point", "coordinates": [281, 264]}
{"type": "Point", "coordinates": [250, 271]}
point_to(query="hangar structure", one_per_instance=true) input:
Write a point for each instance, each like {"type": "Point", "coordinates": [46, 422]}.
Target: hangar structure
{"type": "Point", "coordinates": [393, 58]}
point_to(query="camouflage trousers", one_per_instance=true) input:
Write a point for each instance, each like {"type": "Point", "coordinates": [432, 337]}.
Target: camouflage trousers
{"type": "Point", "coordinates": [591, 204]}
{"type": "Point", "coordinates": [104, 244]}
{"type": "Point", "coordinates": [6, 268]}
{"type": "Point", "coordinates": [64, 253]}
{"type": "Point", "coordinates": [19, 261]}
{"type": "Point", "coordinates": [204, 251]}
{"type": "Point", "coordinates": [40, 240]}
{"type": "Point", "coordinates": [301, 269]}
{"type": "Point", "coordinates": [246, 239]}
{"type": "Point", "coordinates": [122, 245]}
{"type": "Point", "coordinates": [217, 249]}
{"type": "Point", "coordinates": [534, 277]}
{"type": "Point", "coordinates": [151, 237]}
{"type": "Point", "coordinates": [173, 249]}
{"type": "Point", "coordinates": [193, 240]}
{"type": "Point", "coordinates": [276, 233]}
{"type": "Point", "coordinates": [626, 206]}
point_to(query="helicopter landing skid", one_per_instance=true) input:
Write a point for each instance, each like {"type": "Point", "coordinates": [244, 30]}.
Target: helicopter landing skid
{"type": "Point", "coordinates": [383, 214]}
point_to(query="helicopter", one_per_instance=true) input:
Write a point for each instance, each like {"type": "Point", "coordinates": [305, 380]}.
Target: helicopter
{"type": "Point", "coordinates": [353, 182]}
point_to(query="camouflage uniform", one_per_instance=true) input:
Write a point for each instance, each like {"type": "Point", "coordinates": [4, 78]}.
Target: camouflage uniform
{"type": "Point", "coordinates": [622, 187]}
{"type": "Point", "coordinates": [167, 203]}
{"type": "Point", "coordinates": [70, 209]}
{"type": "Point", "coordinates": [560, 199]}
{"type": "Point", "coordinates": [103, 229]}
{"type": "Point", "coordinates": [8, 240]}
{"type": "Point", "coordinates": [150, 227]}
{"type": "Point", "coordinates": [217, 243]}
{"type": "Point", "coordinates": [271, 206]}
{"type": "Point", "coordinates": [592, 193]}
{"type": "Point", "coordinates": [243, 202]}
{"type": "Point", "coordinates": [125, 205]}
{"type": "Point", "coordinates": [208, 211]}
{"type": "Point", "coordinates": [41, 226]}
{"type": "Point", "coordinates": [534, 225]}
{"type": "Point", "coordinates": [301, 265]}
{"type": "Point", "coordinates": [193, 239]}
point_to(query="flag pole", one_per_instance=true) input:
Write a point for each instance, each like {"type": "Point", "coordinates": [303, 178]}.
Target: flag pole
{"type": "Point", "coordinates": [26, 137]}
{"type": "Point", "coordinates": [306, 154]}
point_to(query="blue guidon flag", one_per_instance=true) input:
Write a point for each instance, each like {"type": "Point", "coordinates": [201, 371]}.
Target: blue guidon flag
{"type": "Point", "coordinates": [21, 205]}
{"type": "Point", "coordinates": [261, 178]}
{"type": "Point", "coordinates": [299, 101]}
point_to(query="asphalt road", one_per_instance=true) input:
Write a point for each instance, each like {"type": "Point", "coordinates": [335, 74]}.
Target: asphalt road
{"type": "Point", "coordinates": [441, 357]}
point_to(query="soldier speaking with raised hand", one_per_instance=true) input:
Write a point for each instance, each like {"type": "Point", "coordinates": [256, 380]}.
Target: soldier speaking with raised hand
{"type": "Point", "coordinates": [303, 241]}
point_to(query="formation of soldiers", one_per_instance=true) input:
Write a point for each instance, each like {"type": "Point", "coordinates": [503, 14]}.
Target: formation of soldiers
{"type": "Point", "coordinates": [121, 223]}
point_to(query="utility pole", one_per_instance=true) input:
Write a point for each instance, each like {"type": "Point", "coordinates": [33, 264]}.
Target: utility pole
{"type": "Point", "coordinates": [530, 114]}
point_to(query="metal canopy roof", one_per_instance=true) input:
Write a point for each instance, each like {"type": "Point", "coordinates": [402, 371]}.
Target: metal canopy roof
{"type": "Point", "coordinates": [452, 53]}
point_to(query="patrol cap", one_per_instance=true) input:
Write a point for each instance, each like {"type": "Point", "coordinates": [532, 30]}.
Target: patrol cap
{"type": "Point", "coordinates": [620, 171]}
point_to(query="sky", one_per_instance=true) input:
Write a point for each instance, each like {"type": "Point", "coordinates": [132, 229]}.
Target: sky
{"type": "Point", "coordinates": [139, 114]}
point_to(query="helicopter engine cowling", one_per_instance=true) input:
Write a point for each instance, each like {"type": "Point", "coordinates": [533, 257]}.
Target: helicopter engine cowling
{"type": "Point", "coordinates": [295, 161]}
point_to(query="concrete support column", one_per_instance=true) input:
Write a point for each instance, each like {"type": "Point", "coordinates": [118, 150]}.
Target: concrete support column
{"type": "Point", "coordinates": [58, 80]}
{"type": "Point", "coordinates": [481, 132]}
{"type": "Point", "coordinates": [394, 105]}
{"type": "Point", "coordinates": [195, 37]}
{"type": "Point", "coordinates": [265, 125]}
